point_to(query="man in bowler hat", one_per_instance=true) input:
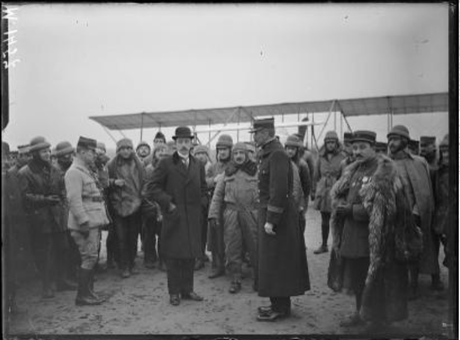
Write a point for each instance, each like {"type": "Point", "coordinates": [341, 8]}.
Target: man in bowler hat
{"type": "Point", "coordinates": [178, 185]}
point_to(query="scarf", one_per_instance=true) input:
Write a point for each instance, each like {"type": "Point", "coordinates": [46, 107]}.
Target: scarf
{"type": "Point", "coordinates": [248, 167]}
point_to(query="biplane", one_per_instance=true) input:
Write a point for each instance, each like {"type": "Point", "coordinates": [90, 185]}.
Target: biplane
{"type": "Point", "coordinates": [205, 120]}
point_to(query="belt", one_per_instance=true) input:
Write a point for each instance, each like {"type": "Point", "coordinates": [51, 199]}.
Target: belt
{"type": "Point", "coordinates": [93, 198]}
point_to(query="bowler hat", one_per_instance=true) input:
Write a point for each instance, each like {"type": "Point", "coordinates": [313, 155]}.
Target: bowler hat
{"type": "Point", "coordinates": [399, 130]}
{"type": "Point", "coordinates": [259, 124]}
{"type": "Point", "coordinates": [427, 140]}
{"type": "Point", "coordinates": [331, 135]}
{"type": "Point", "coordinates": [224, 141]}
{"type": "Point", "coordinates": [183, 132]}
{"type": "Point", "coordinates": [63, 148]}
{"type": "Point", "coordinates": [294, 141]}
{"type": "Point", "coordinates": [87, 143]}
{"type": "Point", "coordinates": [39, 143]}
{"type": "Point", "coordinates": [364, 136]}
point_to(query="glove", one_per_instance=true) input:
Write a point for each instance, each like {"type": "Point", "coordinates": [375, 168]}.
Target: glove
{"type": "Point", "coordinates": [213, 223]}
{"type": "Point", "coordinates": [345, 210]}
{"type": "Point", "coordinates": [84, 229]}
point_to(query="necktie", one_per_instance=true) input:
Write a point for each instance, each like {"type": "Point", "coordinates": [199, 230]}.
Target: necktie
{"type": "Point", "coordinates": [185, 161]}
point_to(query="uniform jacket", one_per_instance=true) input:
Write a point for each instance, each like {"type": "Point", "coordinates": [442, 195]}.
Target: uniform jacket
{"type": "Point", "coordinates": [172, 182]}
{"type": "Point", "coordinates": [214, 170]}
{"type": "Point", "coordinates": [327, 172]}
{"type": "Point", "coordinates": [36, 181]}
{"type": "Point", "coordinates": [85, 197]}
{"type": "Point", "coordinates": [282, 269]}
{"type": "Point", "coordinates": [390, 219]}
{"type": "Point", "coordinates": [126, 200]}
{"type": "Point", "coordinates": [441, 195]}
{"type": "Point", "coordinates": [420, 180]}
{"type": "Point", "coordinates": [238, 190]}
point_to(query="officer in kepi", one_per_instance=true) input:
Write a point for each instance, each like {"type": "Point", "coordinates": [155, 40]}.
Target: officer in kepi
{"type": "Point", "coordinates": [86, 217]}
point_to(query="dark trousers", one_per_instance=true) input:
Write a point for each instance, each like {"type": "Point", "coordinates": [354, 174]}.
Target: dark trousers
{"type": "Point", "coordinates": [204, 231]}
{"type": "Point", "coordinates": [180, 275]}
{"type": "Point", "coordinates": [151, 230]}
{"type": "Point", "coordinates": [52, 251]}
{"type": "Point", "coordinates": [74, 260]}
{"type": "Point", "coordinates": [217, 247]}
{"type": "Point", "coordinates": [356, 271]}
{"type": "Point", "coordinates": [111, 243]}
{"type": "Point", "coordinates": [281, 304]}
{"type": "Point", "coordinates": [325, 217]}
{"type": "Point", "coordinates": [127, 229]}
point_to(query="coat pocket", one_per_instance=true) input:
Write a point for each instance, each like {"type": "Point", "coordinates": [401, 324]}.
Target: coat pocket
{"type": "Point", "coordinates": [171, 221]}
{"type": "Point", "coordinates": [97, 216]}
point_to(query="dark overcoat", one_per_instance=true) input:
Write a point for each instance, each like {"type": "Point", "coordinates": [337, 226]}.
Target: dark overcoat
{"type": "Point", "coordinates": [390, 220]}
{"type": "Point", "coordinates": [172, 182]}
{"type": "Point", "coordinates": [37, 181]}
{"type": "Point", "coordinates": [282, 269]}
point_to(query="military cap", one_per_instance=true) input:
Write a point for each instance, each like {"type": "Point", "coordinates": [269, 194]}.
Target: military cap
{"type": "Point", "coordinates": [427, 140]}
{"type": "Point", "coordinates": [259, 124]}
{"type": "Point", "coordinates": [364, 136]}
{"type": "Point", "coordinates": [87, 143]}
{"type": "Point", "coordinates": [22, 149]}
{"type": "Point", "coordinates": [381, 147]}
{"type": "Point", "coordinates": [444, 143]}
{"type": "Point", "coordinates": [347, 136]}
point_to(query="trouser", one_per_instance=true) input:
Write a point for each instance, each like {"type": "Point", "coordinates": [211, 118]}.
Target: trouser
{"type": "Point", "coordinates": [302, 222]}
{"type": "Point", "coordinates": [180, 275]}
{"type": "Point", "coordinates": [358, 272]}
{"type": "Point", "coordinates": [325, 217]}
{"type": "Point", "coordinates": [127, 228]}
{"type": "Point", "coordinates": [52, 254]}
{"type": "Point", "coordinates": [74, 260]}
{"type": "Point", "coordinates": [151, 231]}
{"type": "Point", "coordinates": [240, 227]}
{"type": "Point", "coordinates": [281, 304]}
{"type": "Point", "coordinates": [204, 232]}
{"type": "Point", "coordinates": [111, 243]}
{"type": "Point", "coordinates": [217, 247]}
{"type": "Point", "coordinates": [87, 247]}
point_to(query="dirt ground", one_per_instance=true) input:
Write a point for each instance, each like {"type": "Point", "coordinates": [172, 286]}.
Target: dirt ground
{"type": "Point", "coordinates": [140, 305]}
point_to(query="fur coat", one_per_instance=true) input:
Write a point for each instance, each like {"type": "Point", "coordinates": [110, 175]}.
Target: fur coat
{"type": "Point", "coordinates": [391, 241]}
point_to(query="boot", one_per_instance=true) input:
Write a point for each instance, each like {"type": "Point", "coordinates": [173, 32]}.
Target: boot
{"type": "Point", "coordinates": [84, 297]}
{"type": "Point", "coordinates": [235, 287]}
{"type": "Point", "coordinates": [91, 287]}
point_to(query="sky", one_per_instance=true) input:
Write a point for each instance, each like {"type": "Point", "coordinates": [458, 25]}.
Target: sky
{"type": "Point", "coordinates": [81, 60]}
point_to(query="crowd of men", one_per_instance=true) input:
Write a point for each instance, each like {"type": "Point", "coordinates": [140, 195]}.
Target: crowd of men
{"type": "Point", "coordinates": [386, 206]}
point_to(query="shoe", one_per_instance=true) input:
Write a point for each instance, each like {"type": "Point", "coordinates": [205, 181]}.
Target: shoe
{"type": "Point", "coordinates": [437, 286]}
{"type": "Point", "coordinates": [66, 285]}
{"type": "Point", "coordinates": [191, 296]}
{"type": "Point", "coordinates": [174, 299]}
{"type": "Point", "coordinates": [133, 271]}
{"type": "Point", "coordinates": [414, 294]}
{"type": "Point", "coordinates": [235, 287]}
{"type": "Point", "coordinates": [272, 316]}
{"type": "Point", "coordinates": [216, 273]}
{"type": "Point", "coordinates": [322, 249]}
{"type": "Point", "coordinates": [264, 309]}
{"type": "Point", "coordinates": [352, 321]}
{"type": "Point", "coordinates": [48, 293]}
{"type": "Point", "coordinates": [149, 265]}
{"type": "Point", "coordinates": [126, 273]}
{"type": "Point", "coordinates": [199, 264]}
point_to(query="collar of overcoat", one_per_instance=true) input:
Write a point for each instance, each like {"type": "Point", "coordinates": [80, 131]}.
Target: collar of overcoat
{"type": "Point", "coordinates": [270, 147]}
{"type": "Point", "coordinates": [186, 172]}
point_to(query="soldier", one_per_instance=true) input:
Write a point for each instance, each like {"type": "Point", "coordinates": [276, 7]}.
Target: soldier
{"type": "Point", "coordinates": [282, 262]}
{"type": "Point", "coordinates": [381, 148]}
{"type": "Point", "coordinates": [416, 180]}
{"type": "Point", "coordinates": [159, 139]}
{"type": "Point", "coordinates": [235, 198]}
{"type": "Point", "coordinates": [216, 235]}
{"type": "Point", "coordinates": [22, 159]}
{"type": "Point", "coordinates": [202, 154]}
{"type": "Point", "coordinates": [178, 184]}
{"type": "Point", "coordinates": [347, 138]}
{"type": "Point", "coordinates": [367, 222]}
{"type": "Point", "coordinates": [42, 191]}
{"type": "Point", "coordinates": [428, 151]}
{"type": "Point", "coordinates": [414, 147]}
{"type": "Point", "coordinates": [86, 217]}
{"type": "Point", "coordinates": [327, 172]}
